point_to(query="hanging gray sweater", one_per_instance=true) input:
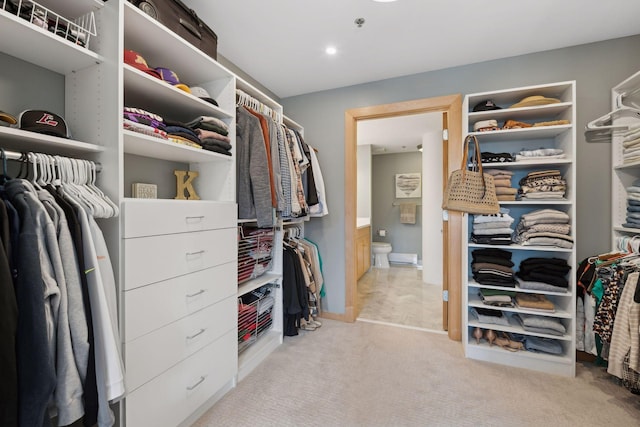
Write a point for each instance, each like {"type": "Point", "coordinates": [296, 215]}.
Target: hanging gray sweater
{"type": "Point", "coordinates": [253, 187]}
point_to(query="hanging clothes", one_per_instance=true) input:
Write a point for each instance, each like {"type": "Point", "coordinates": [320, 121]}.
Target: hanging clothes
{"type": "Point", "coordinates": [253, 187]}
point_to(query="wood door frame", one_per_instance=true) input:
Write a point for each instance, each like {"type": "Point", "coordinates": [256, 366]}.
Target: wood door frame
{"type": "Point", "coordinates": [451, 106]}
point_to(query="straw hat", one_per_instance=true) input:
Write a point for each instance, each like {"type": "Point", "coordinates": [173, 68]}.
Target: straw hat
{"type": "Point", "coordinates": [534, 100]}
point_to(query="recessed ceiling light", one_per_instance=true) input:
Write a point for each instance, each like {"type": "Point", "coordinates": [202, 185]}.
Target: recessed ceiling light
{"type": "Point", "coordinates": [331, 50]}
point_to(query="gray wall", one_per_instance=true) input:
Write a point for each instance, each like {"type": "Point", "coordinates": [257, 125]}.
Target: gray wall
{"type": "Point", "coordinates": [404, 238]}
{"type": "Point", "coordinates": [596, 67]}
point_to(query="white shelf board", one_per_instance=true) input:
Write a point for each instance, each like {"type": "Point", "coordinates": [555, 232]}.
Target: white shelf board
{"type": "Point", "coordinates": [17, 139]}
{"type": "Point", "coordinates": [524, 113]}
{"type": "Point", "coordinates": [253, 355]}
{"type": "Point", "coordinates": [71, 9]}
{"type": "Point", "coordinates": [627, 230]}
{"type": "Point", "coordinates": [525, 164]}
{"type": "Point", "coordinates": [262, 280]}
{"type": "Point", "coordinates": [540, 132]}
{"type": "Point", "coordinates": [151, 94]}
{"type": "Point", "coordinates": [476, 301]}
{"type": "Point", "coordinates": [522, 247]}
{"type": "Point", "coordinates": [562, 364]}
{"type": "Point", "coordinates": [633, 165]}
{"type": "Point", "coordinates": [535, 202]}
{"type": "Point", "coordinates": [45, 49]}
{"type": "Point", "coordinates": [291, 124]}
{"type": "Point", "coordinates": [148, 146]}
{"type": "Point", "coordinates": [473, 284]}
{"type": "Point", "coordinates": [517, 330]}
{"type": "Point", "coordinates": [161, 47]}
{"type": "Point", "coordinates": [508, 97]}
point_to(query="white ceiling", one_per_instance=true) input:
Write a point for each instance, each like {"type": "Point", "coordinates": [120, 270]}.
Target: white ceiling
{"type": "Point", "coordinates": [281, 43]}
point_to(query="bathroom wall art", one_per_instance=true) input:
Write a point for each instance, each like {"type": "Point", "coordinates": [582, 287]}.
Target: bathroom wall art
{"type": "Point", "coordinates": [408, 185]}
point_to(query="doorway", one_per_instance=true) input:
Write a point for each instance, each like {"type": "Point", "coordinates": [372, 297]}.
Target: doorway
{"type": "Point", "coordinates": [451, 107]}
{"type": "Point", "coordinates": [400, 212]}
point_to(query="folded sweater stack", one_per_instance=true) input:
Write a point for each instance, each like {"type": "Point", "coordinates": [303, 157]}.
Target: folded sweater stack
{"type": "Point", "coordinates": [631, 146]}
{"type": "Point", "coordinates": [502, 181]}
{"type": "Point", "coordinates": [493, 266]}
{"type": "Point", "coordinates": [544, 227]}
{"type": "Point", "coordinates": [633, 205]}
{"type": "Point", "coordinates": [549, 274]}
{"type": "Point", "coordinates": [543, 185]}
{"type": "Point", "coordinates": [493, 229]}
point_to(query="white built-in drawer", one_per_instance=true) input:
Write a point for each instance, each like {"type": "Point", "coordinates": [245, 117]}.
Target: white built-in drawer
{"type": "Point", "coordinates": [171, 397]}
{"type": "Point", "coordinates": [154, 217]}
{"type": "Point", "coordinates": [150, 355]}
{"type": "Point", "coordinates": [151, 307]}
{"type": "Point", "coordinates": [156, 258]}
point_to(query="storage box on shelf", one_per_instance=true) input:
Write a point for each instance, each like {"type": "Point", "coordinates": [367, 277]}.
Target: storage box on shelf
{"type": "Point", "coordinates": [555, 130]}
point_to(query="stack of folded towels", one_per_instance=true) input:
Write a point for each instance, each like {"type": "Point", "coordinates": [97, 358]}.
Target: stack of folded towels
{"type": "Point", "coordinates": [543, 274]}
{"type": "Point", "coordinates": [633, 205]}
{"type": "Point", "coordinates": [543, 185]}
{"type": "Point", "coordinates": [494, 229]}
{"type": "Point", "coordinates": [502, 181]}
{"type": "Point", "coordinates": [544, 227]}
{"type": "Point", "coordinates": [493, 266]}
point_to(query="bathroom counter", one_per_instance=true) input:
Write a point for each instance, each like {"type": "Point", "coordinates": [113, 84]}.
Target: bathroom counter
{"type": "Point", "coordinates": [363, 222]}
{"type": "Point", "coordinates": [363, 249]}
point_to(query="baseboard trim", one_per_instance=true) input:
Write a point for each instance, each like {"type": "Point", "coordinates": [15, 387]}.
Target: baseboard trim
{"type": "Point", "coordinates": [342, 317]}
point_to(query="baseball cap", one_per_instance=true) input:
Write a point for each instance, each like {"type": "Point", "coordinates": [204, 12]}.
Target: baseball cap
{"type": "Point", "coordinates": [171, 77]}
{"type": "Point", "coordinates": [7, 118]}
{"type": "Point", "coordinates": [486, 105]}
{"type": "Point", "coordinates": [45, 122]}
{"type": "Point", "coordinates": [137, 61]}
{"type": "Point", "coordinates": [203, 94]}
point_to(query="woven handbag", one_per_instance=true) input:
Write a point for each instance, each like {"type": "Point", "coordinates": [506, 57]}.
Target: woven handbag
{"type": "Point", "coordinates": [471, 191]}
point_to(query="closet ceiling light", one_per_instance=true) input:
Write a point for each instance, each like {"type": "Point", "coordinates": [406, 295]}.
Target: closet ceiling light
{"type": "Point", "coordinates": [331, 50]}
{"type": "Point", "coordinates": [420, 148]}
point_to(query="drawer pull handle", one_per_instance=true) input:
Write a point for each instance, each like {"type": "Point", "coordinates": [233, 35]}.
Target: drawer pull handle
{"type": "Point", "coordinates": [189, 218]}
{"type": "Point", "coordinates": [200, 292]}
{"type": "Point", "coordinates": [200, 332]}
{"type": "Point", "coordinates": [195, 253]}
{"type": "Point", "coordinates": [191, 387]}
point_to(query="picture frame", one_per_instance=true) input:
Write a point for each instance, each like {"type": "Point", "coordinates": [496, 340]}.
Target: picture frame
{"type": "Point", "coordinates": [408, 185]}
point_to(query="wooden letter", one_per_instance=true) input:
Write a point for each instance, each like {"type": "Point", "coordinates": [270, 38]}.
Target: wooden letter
{"type": "Point", "coordinates": [183, 185]}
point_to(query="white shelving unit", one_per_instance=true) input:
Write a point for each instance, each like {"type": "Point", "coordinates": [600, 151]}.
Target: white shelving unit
{"type": "Point", "coordinates": [623, 174]}
{"type": "Point", "coordinates": [175, 261]}
{"type": "Point", "coordinates": [513, 141]}
{"type": "Point", "coordinates": [255, 353]}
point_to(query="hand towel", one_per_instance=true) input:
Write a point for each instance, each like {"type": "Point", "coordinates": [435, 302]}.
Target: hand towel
{"type": "Point", "coordinates": [407, 213]}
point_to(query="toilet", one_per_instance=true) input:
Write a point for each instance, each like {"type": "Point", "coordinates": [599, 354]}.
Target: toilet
{"type": "Point", "coordinates": [380, 251]}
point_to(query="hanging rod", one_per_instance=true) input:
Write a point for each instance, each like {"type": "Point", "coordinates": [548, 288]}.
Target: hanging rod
{"type": "Point", "coordinates": [16, 155]}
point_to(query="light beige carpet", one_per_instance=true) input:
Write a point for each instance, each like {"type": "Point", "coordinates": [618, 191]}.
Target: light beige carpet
{"type": "Point", "coordinates": [398, 295]}
{"type": "Point", "coordinates": [365, 374]}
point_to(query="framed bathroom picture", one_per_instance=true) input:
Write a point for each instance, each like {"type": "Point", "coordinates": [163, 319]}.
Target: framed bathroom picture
{"type": "Point", "coordinates": [408, 185]}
